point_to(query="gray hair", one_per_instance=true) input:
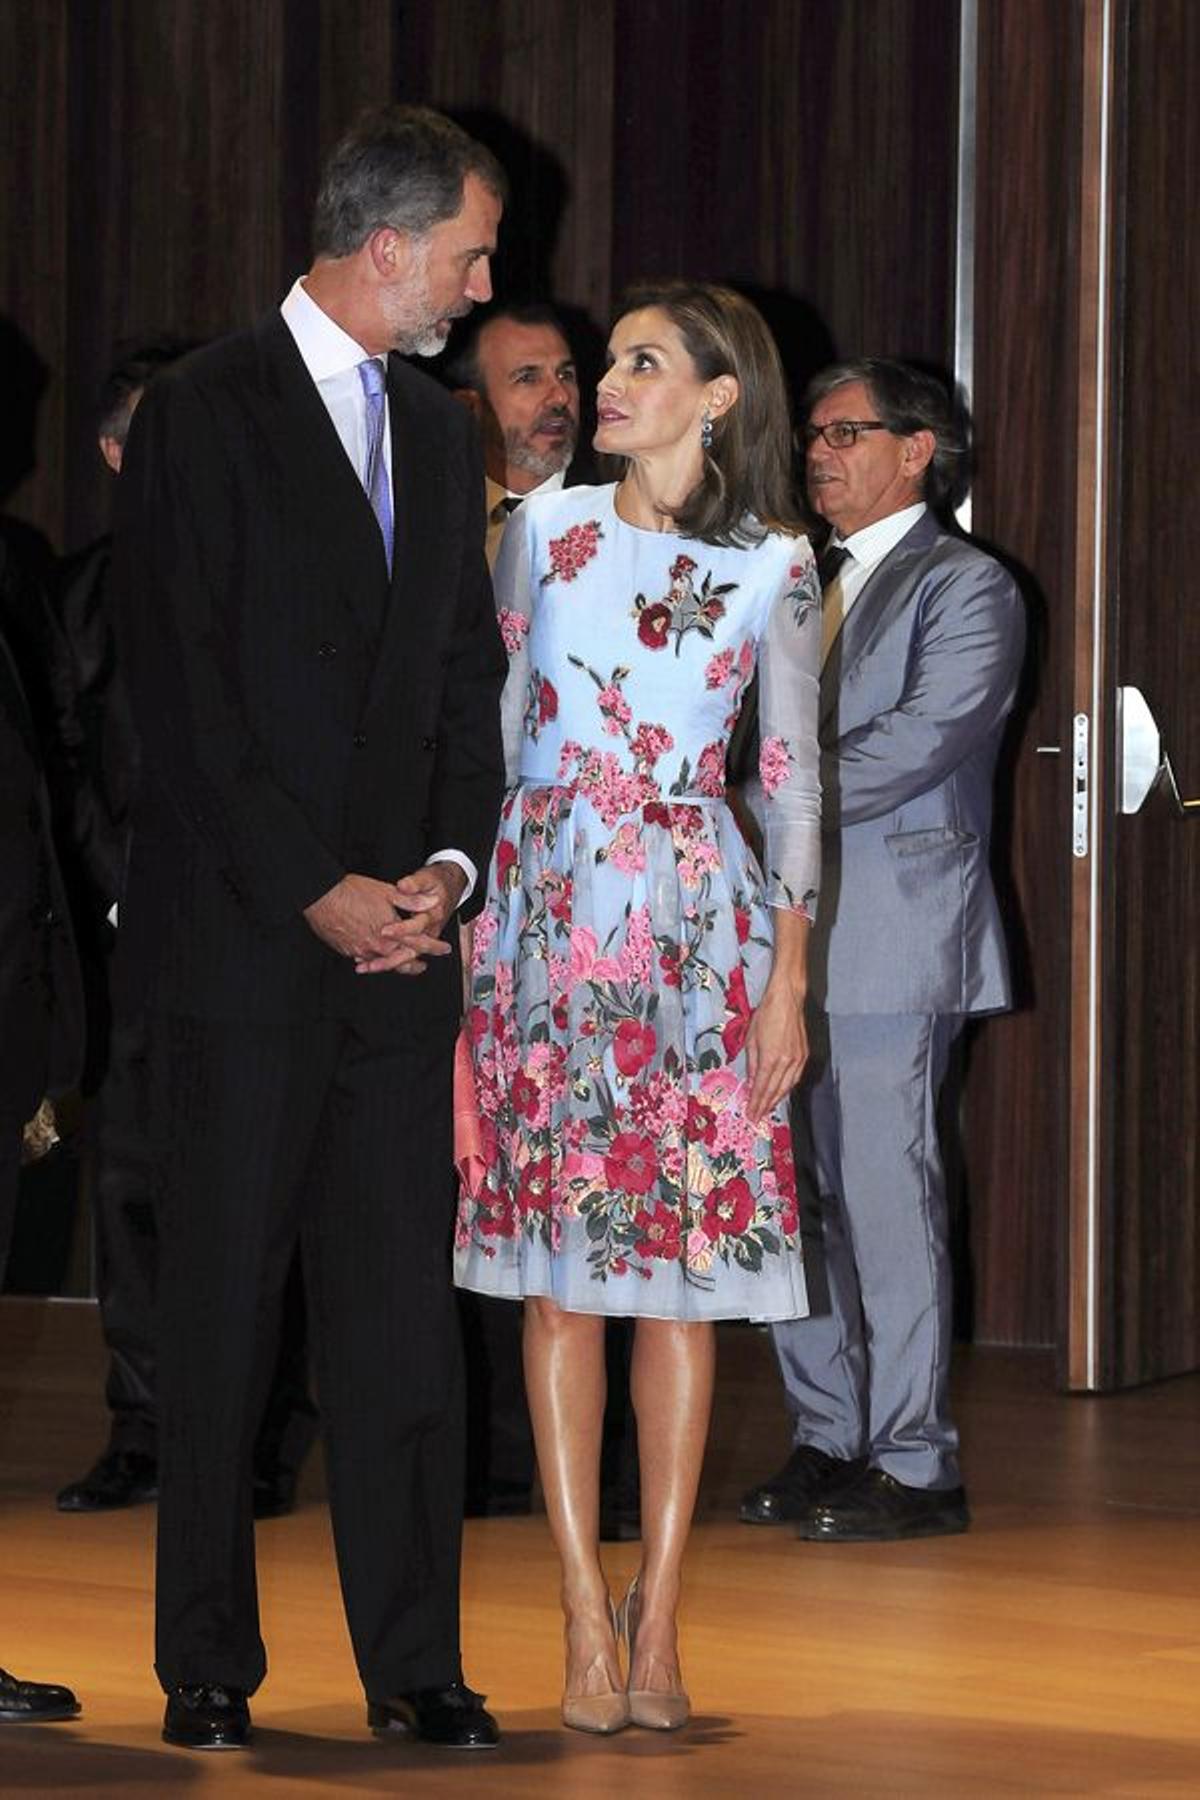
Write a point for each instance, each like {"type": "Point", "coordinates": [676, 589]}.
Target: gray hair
{"type": "Point", "coordinates": [907, 399]}
{"type": "Point", "coordinates": [402, 166]}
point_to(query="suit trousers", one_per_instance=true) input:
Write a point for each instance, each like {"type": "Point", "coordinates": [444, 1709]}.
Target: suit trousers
{"type": "Point", "coordinates": [866, 1374]}
{"type": "Point", "coordinates": [316, 1130]}
{"type": "Point", "coordinates": [125, 1208]}
{"type": "Point", "coordinates": [10, 1174]}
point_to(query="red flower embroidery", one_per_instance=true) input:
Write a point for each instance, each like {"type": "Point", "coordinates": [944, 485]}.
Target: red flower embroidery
{"type": "Point", "coordinates": [631, 1164]}
{"type": "Point", "coordinates": [654, 622]}
{"type": "Point", "coordinates": [728, 1210]}
{"type": "Point", "coordinates": [547, 701]}
{"type": "Point", "coordinates": [683, 565]}
{"type": "Point", "coordinates": [633, 1046]}
{"type": "Point", "coordinates": [535, 1186]}
{"type": "Point", "coordinates": [737, 1003]}
{"type": "Point", "coordinates": [659, 1233]}
{"type": "Point", "coordinates": [741, 920]}
{"type": "Point", "coordinates": [572, 551]}
{"type": "Point", "coordinates": [701, 1122]}
{"type": "Point", "coordinates": [525, 1095]}
{"type": "Point", "coordinates": [506, 862]}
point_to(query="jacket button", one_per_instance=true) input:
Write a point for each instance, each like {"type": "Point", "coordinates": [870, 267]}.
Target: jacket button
{"type": "Point", "coordinates": [327, 650]}
{"type": "Point", "coordinates": [360, 739]}
{"type": "Point", "coordinates": [428, 743]}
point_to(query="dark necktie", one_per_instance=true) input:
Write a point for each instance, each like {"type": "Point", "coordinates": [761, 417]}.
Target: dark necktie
{"type": "Point", "coordinates": [375, 479]}
{"type": "Point", "coordinates": [830, 563]}
{"type": "Point", "coordinates": [503, 508]}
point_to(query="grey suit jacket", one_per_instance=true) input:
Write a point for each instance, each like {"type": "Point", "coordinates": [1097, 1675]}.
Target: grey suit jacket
{"type": "Point", "coordinates": [914, 696]}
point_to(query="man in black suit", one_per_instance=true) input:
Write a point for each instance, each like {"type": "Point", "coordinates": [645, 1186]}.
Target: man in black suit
{"type": "Point", "coordinates": [116, 1064]}
{"type": "Point", "coordinates": [308, 635]}
{"type": "Point", "coordinates": [41, 1013]}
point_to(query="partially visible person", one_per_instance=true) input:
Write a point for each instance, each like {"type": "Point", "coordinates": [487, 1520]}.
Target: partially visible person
{"type": "Point", "coordinates": [123, 1161]}
{"type": "Point", "coordinates": [923, 636]}
{"type": "Point", "coordinates": [41, 1013]}
{"type": "Point", "coordinates": [637, 1007]}
{"type": "Point", "coordinates": [516, 371]}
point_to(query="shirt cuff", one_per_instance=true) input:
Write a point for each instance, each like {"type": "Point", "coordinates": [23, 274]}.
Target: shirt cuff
{"type": "Point", "coordinates": [461, 862]}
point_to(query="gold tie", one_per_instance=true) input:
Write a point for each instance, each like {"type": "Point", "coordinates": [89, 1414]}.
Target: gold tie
{"type": "Point", "coordinates": [833, 611]}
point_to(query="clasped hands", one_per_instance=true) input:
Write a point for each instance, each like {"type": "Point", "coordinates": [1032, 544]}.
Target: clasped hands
{"type": "Point", "coordinates": [389, 927]}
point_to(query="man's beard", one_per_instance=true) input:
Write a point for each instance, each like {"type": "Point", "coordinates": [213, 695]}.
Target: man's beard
{"type": "Point", "coordinates": [413, 329]}
{"type": "Point", "coordinates": [519, 452]}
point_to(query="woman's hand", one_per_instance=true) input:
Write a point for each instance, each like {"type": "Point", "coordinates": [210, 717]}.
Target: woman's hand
{"type": "Point", "coordinates": [776, 1047]}
{"type": "Point", "coordinates": [777, 1043]}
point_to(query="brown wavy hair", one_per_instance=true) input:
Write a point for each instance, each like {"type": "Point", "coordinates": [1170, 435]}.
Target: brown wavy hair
{"type": "Point", "coordinates": [747, 488]}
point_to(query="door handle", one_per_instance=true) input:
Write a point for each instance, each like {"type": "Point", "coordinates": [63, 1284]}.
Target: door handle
{"type": "Point", "coordinates": [1142, 762]}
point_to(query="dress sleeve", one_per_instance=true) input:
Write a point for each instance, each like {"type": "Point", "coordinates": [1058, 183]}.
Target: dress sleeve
{"type": "Point", "coordinates": [513, 582]}
{"type": "Point", "coordinates": [789, 682]}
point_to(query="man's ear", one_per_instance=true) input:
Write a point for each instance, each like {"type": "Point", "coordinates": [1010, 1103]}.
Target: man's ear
{"type": "Point", "coordinates": [919, 447]}
{"type": "Point", "coordinates": [390, 252]}
{"type": "Point", "coordinates": [472, 401]}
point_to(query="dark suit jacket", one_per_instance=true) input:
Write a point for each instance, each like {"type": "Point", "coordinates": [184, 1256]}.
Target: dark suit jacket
{"type": "Point", "coordinates": [299, 716]}
{"type": "Point", "coordinates": [41, 1007]}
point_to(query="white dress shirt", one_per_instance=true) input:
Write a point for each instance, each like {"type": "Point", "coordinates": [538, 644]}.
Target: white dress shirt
{"type": "Point", "coordinates": [497, 521]}
{"type": "Point", "coordinates": [867, 548]}
{"type": "Point", "coordinates": [331, 357]}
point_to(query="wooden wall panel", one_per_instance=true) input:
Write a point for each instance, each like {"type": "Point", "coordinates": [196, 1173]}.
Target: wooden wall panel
{"type": "Point", "coordinates": [33, 244]}
{"type": "Point", "coordinates": [1155, 1214]}
{"type": "Point", "coordinates": [1025, 348]}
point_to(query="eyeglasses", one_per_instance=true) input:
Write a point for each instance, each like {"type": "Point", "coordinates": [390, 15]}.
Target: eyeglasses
{"type": "Point", "coordinates": [840, 434]}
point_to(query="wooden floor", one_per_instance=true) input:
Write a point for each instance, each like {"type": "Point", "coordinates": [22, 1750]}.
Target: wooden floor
{"type": "Point", "coordinates": [1053, 1650]}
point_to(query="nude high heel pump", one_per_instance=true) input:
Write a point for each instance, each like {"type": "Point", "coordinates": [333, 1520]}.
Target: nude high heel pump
{"type": "Point", "coordinates": [650, 1707]}
{"type": "Point", "coordinates": [599, 1713]}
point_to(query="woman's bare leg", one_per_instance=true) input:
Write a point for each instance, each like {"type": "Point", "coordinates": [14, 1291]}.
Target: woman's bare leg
{"type": "Point", "coordinates": [565, 1384]}
{"type": "Point", "coordinates": [672, 1387]}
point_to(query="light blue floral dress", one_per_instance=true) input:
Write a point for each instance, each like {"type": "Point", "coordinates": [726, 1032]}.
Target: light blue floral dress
{"type": "Point", "coordinates": [626, 936]}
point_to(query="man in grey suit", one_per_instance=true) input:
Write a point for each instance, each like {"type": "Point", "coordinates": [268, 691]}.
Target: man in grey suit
{"type": "Point", "coordinates": [922, 646]}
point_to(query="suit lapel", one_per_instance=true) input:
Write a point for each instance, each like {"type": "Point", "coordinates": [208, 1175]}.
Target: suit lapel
{"type": "Point", "coordinates": [327, 485]}
{"type": "Point", "coordinates": [425, 549]}
{"type": "Point", "coordinates": [886, 593]}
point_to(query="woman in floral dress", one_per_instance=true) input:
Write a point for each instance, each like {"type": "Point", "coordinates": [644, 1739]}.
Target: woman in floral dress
{"type": "Point", "coordinates": [636, 1010]}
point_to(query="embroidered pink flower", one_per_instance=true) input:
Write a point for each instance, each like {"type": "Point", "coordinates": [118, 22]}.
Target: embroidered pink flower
{"type": "Point", "coordinates": [633, 1046]}
{"type": "Point", "coordinates": [649, 742]}
{"type": "Point", "coordinates": [615, 708]}
{"type": "Point", "coordinates": [572, 551]}
{"type": "Point", "coordinates": [719, 669]}
{"type": "Point", "coordinates": [513, 627]}
{"type": "Point", "coordinates": [583, 952]}
{"type": "Point", "coordinates": [637, 952]}
{"type": "Point", "coordinates": [607, 970]}
{"type": "Point", "coordinates": [774, 762]}
{"type": "Point", "coordinates": [710, 771]}
{"type": "Point", "coordinates": [683, 565]}
{"type": "Point", "coordinates": [625, 849]}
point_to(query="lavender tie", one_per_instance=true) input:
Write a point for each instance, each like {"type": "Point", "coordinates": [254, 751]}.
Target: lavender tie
{"type": "Point", "coordinates": [375, 480]}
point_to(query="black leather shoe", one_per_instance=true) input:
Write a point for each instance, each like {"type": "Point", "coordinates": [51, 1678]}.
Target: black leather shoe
{"type": "Point", "coordinates": [274, 1493]}
{"type": "Point", "coordinates": [878, 1508]}
{"type": "Point", "coordinates": [34, 1702]}
{"type": "Point", "coordinates": [118, 1478]}
{"type": "Point", "coordinates": [452, 1717]}
{"type": "Point", "coordinates": [207, 1718]}
{"type": "Point", "coordinates": [806, 1478]}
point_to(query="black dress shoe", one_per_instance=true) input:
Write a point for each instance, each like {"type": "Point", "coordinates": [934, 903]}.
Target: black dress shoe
{"type": "Point", "coordinates": [452, 1717]}
{"type": "Point", "coordinates": [878, 1508]}
{"type": "Point", "coordinates": [806, 1478]}
{"type": "Point", "coordinates": [34, 1702]}
{"type": "Point", "coordinates": [118, 1478]}
{"type": "Point", "coordinates": [207, 1717]}
{"type": "Point", "coordinates": [274, 1493]}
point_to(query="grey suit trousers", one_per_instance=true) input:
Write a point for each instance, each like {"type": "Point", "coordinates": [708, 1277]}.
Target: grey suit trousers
{"type": "Point", "coordinates": [866, 1373]}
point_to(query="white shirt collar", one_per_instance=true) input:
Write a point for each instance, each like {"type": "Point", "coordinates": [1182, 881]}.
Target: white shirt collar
{"type": "Point", "coordinates": [873, 542]}
{"type": "Point", "coordinates": [496, 493]}
{"type": "Point", "coordinates": [327, 350]}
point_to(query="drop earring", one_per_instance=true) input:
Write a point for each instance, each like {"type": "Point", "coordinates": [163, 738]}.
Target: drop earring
{"type": "Point", "coordinates": [706, 430]}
